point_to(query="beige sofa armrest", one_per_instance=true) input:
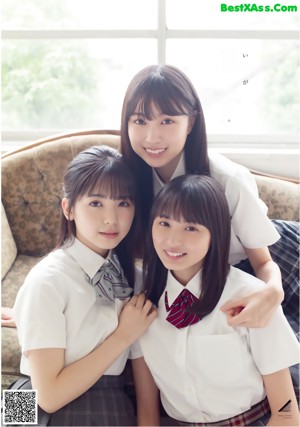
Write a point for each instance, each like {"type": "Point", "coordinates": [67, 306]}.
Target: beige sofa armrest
{"type": "Point", "coordinates": [8, 248]}
{"type": "Point", "coordinates": [281, 197]}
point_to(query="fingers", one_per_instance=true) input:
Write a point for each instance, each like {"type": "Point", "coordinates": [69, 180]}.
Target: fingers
{"type": "Point", "coordinates": [6, 313]}
{"type": "Point", "coordinates": [7, 317]}
{"type": "Point", "coordinates": [235, 318]}
{"type": "Point", "coordinates": [141, 303]}
{"type": "Point", "coordinates": [233, 305]}
{"type": "Point", "coordinates": [8, 323]}
{"type": "Point", "coordinates": [247, 316]}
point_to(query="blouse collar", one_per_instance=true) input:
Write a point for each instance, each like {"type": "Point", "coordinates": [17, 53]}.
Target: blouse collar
{"type": "Point", "coordinates": [158, 184]}
{"type": "Point", "coordinates": [174, 288]}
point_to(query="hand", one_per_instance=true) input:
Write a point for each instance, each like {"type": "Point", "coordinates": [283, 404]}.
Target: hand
{"type": "Point", "coordinates": [252, 311]}
{"type": "Point", "coordinates": [135, 318]}
{"type": "Point", "coordinates": [7, 317]}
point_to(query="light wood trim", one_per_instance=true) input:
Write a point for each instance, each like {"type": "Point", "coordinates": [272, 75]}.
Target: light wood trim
{"type": "Point", "coordinates": [282, 178]}
{"type": "Point", "coordinates": [60, 136]}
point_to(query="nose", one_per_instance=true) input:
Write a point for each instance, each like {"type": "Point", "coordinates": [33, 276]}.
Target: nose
{"type": "Point", "coordinates": [153, 132]}
{"type": "Point", "coordinates": [110, 216]}
{"type": "Point", "coordinates": [174, 240]}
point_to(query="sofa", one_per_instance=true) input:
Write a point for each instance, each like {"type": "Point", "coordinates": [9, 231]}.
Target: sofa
{"type": "Point", "coordinates": [31, 194]}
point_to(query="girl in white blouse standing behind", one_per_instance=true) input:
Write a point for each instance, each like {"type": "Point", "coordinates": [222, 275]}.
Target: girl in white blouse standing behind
{"type": "Point", "coordinates": [207, 372]}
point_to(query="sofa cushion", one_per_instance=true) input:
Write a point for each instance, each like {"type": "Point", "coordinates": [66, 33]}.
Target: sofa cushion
{"type": "Point", "coordinates": [282, 197]}
{"type": "Point", "coordinates": [15, 278]}
{"type": "Point", "coordinates": [11, 352]}
{"type": "Point", "coordinates": [8, 245]}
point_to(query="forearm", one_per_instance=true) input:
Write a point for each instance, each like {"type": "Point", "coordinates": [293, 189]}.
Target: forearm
{"type": "Point", "coordinates": [146, 418]}
{"type": "Point", "coordinates": [267, 270]}
{"type": "Point", "coordinates": [58, 389]}
{"type": "Point", "coordinates": [270, 274]}
{"type": "Point", "coordinates": [147, 394]}
{"type": "Point", "coordinates": [280, 392]}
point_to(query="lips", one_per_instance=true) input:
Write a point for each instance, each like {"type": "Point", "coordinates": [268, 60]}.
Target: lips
{"type": "Point", "coordinates": [155, 151]}
{"type": "Point", "coordinates": [174, 256]}
{"type": "Point", "coordinates": [109, 235]}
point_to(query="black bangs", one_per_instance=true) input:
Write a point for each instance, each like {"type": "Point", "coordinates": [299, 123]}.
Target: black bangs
{"type": "Point", "coordinates": [195, 199]}
{"type": "Point", "coordinates": [112, 186]}
{"type": "Point", "coordinates": [111, 183]}
{"type": "Point", "coordinates": [99, 170]}
{"type": "Point", "coordinates": [187, 206]}
{"type": "Point", "coordinates": [160, 93]}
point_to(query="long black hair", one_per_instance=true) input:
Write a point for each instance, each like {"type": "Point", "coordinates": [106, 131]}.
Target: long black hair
{"type": "Point", "coordinates": [101, 167]}
{"type": "Point", "coordinates": [200, 200]}
{"type": "Point", "coordinates": [172, 93]}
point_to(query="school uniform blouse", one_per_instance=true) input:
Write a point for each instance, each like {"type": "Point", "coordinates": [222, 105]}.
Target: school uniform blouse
{"type": "Point", "coordinates": [250, 226]}
{"type": "Point", "coordinates": [57, 308]}
{"type": "Point", "coordinates": [210, 371]}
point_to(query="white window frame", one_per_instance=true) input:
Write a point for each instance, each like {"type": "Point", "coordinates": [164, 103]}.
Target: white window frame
{"type": "Point", "coordinates": [277, 152]}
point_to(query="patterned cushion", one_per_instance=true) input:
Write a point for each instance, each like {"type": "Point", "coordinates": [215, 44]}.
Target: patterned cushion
{"type": "Point", "coordinates": [11, 353]}
{"type": "Point", "coordinates": [281, 197]}
{"type": "Point", "coordinates": [15, 278]}
{"type": "Point", "coordinates": [8, 245]}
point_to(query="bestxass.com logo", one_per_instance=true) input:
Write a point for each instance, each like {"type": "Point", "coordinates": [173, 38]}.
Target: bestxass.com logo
{"type": "Point", "coordinates": [253, 7]}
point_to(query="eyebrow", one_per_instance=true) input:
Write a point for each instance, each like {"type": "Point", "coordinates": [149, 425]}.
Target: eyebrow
{"type": "Point", "coordinates": [136, 113]}
{"type": "Point", "coordinates": [102, 196]}
{"type": "Point", "coordinates": [166, 216]}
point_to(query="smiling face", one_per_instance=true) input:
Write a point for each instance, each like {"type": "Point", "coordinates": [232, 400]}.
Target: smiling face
{"type": "Point", "coordinates": [159, 141]}
{"type": "Point", "coordinates": [181, 246]}
{"type": "Point", "coordinates": [101, 222]}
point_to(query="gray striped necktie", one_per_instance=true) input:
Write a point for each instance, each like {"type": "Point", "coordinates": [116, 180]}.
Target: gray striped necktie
{"type": "Point", "coordinates": [110, 282]}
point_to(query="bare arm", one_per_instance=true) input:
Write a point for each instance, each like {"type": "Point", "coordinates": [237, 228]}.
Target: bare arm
{"type": "Point", "coordinates": [147, 394]}
{"type": "Point", "coordinates": [58, 385]}
{"type": "Point", "coordinates": [7, 317]}
{"type": "Point", "coordinates": [280, 391]}
{"type": "Point", "coordinates": [256, 309]}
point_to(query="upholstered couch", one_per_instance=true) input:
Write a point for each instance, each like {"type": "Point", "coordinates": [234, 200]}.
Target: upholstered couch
{"type": "Point", "coordinates": [31, 194]}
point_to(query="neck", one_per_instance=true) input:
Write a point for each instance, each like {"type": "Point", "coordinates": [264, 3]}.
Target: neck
{"type": "Point", "coordinates": [165, 172]}
{"type": "Point", "coordinates": [184, 277]}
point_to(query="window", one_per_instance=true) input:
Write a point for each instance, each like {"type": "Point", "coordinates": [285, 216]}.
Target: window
{"type": "Point", "coordinates": [66, 64]}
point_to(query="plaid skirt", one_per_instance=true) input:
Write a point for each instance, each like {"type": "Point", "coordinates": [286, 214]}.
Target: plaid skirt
{"type": "Point", "coordinates": [285, 252]}
{"type": "Point", "coordinates": [257, 415]}
{"type": "Point", "coordinates": [104, 404]}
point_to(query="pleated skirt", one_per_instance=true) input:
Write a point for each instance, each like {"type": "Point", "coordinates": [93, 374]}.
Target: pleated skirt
{"type": "Point", "coordinates": [104, 404]}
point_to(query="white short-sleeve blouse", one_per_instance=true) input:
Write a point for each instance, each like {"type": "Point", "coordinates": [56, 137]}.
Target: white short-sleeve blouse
{"type": "Point", "coordinates": [210, 371]}
{"type": "Point", "coordinates": [57, 308]}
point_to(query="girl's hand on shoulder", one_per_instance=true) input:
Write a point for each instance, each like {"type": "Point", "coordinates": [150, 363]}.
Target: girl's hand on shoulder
{"type": "Point", "coordinates": [135, 318]}
{"type": "Point", "coordinates": [7, 317]}
{"type": "Point", "coordinates": [252, 311]}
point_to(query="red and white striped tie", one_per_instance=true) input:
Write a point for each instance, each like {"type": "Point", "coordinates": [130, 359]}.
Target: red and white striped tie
{"type": "Point", "coordinates": [178, 315]}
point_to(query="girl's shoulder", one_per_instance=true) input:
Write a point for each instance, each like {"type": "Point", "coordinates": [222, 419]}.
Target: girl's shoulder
{"type": "Point", "coordinates": [239, 283]}
{"type": "Point", "coordinates": [224, 169]}
{"type": "Point", "coordinates": [235, 179]}
{"type": "Point", "coordinates": [50, 267]}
